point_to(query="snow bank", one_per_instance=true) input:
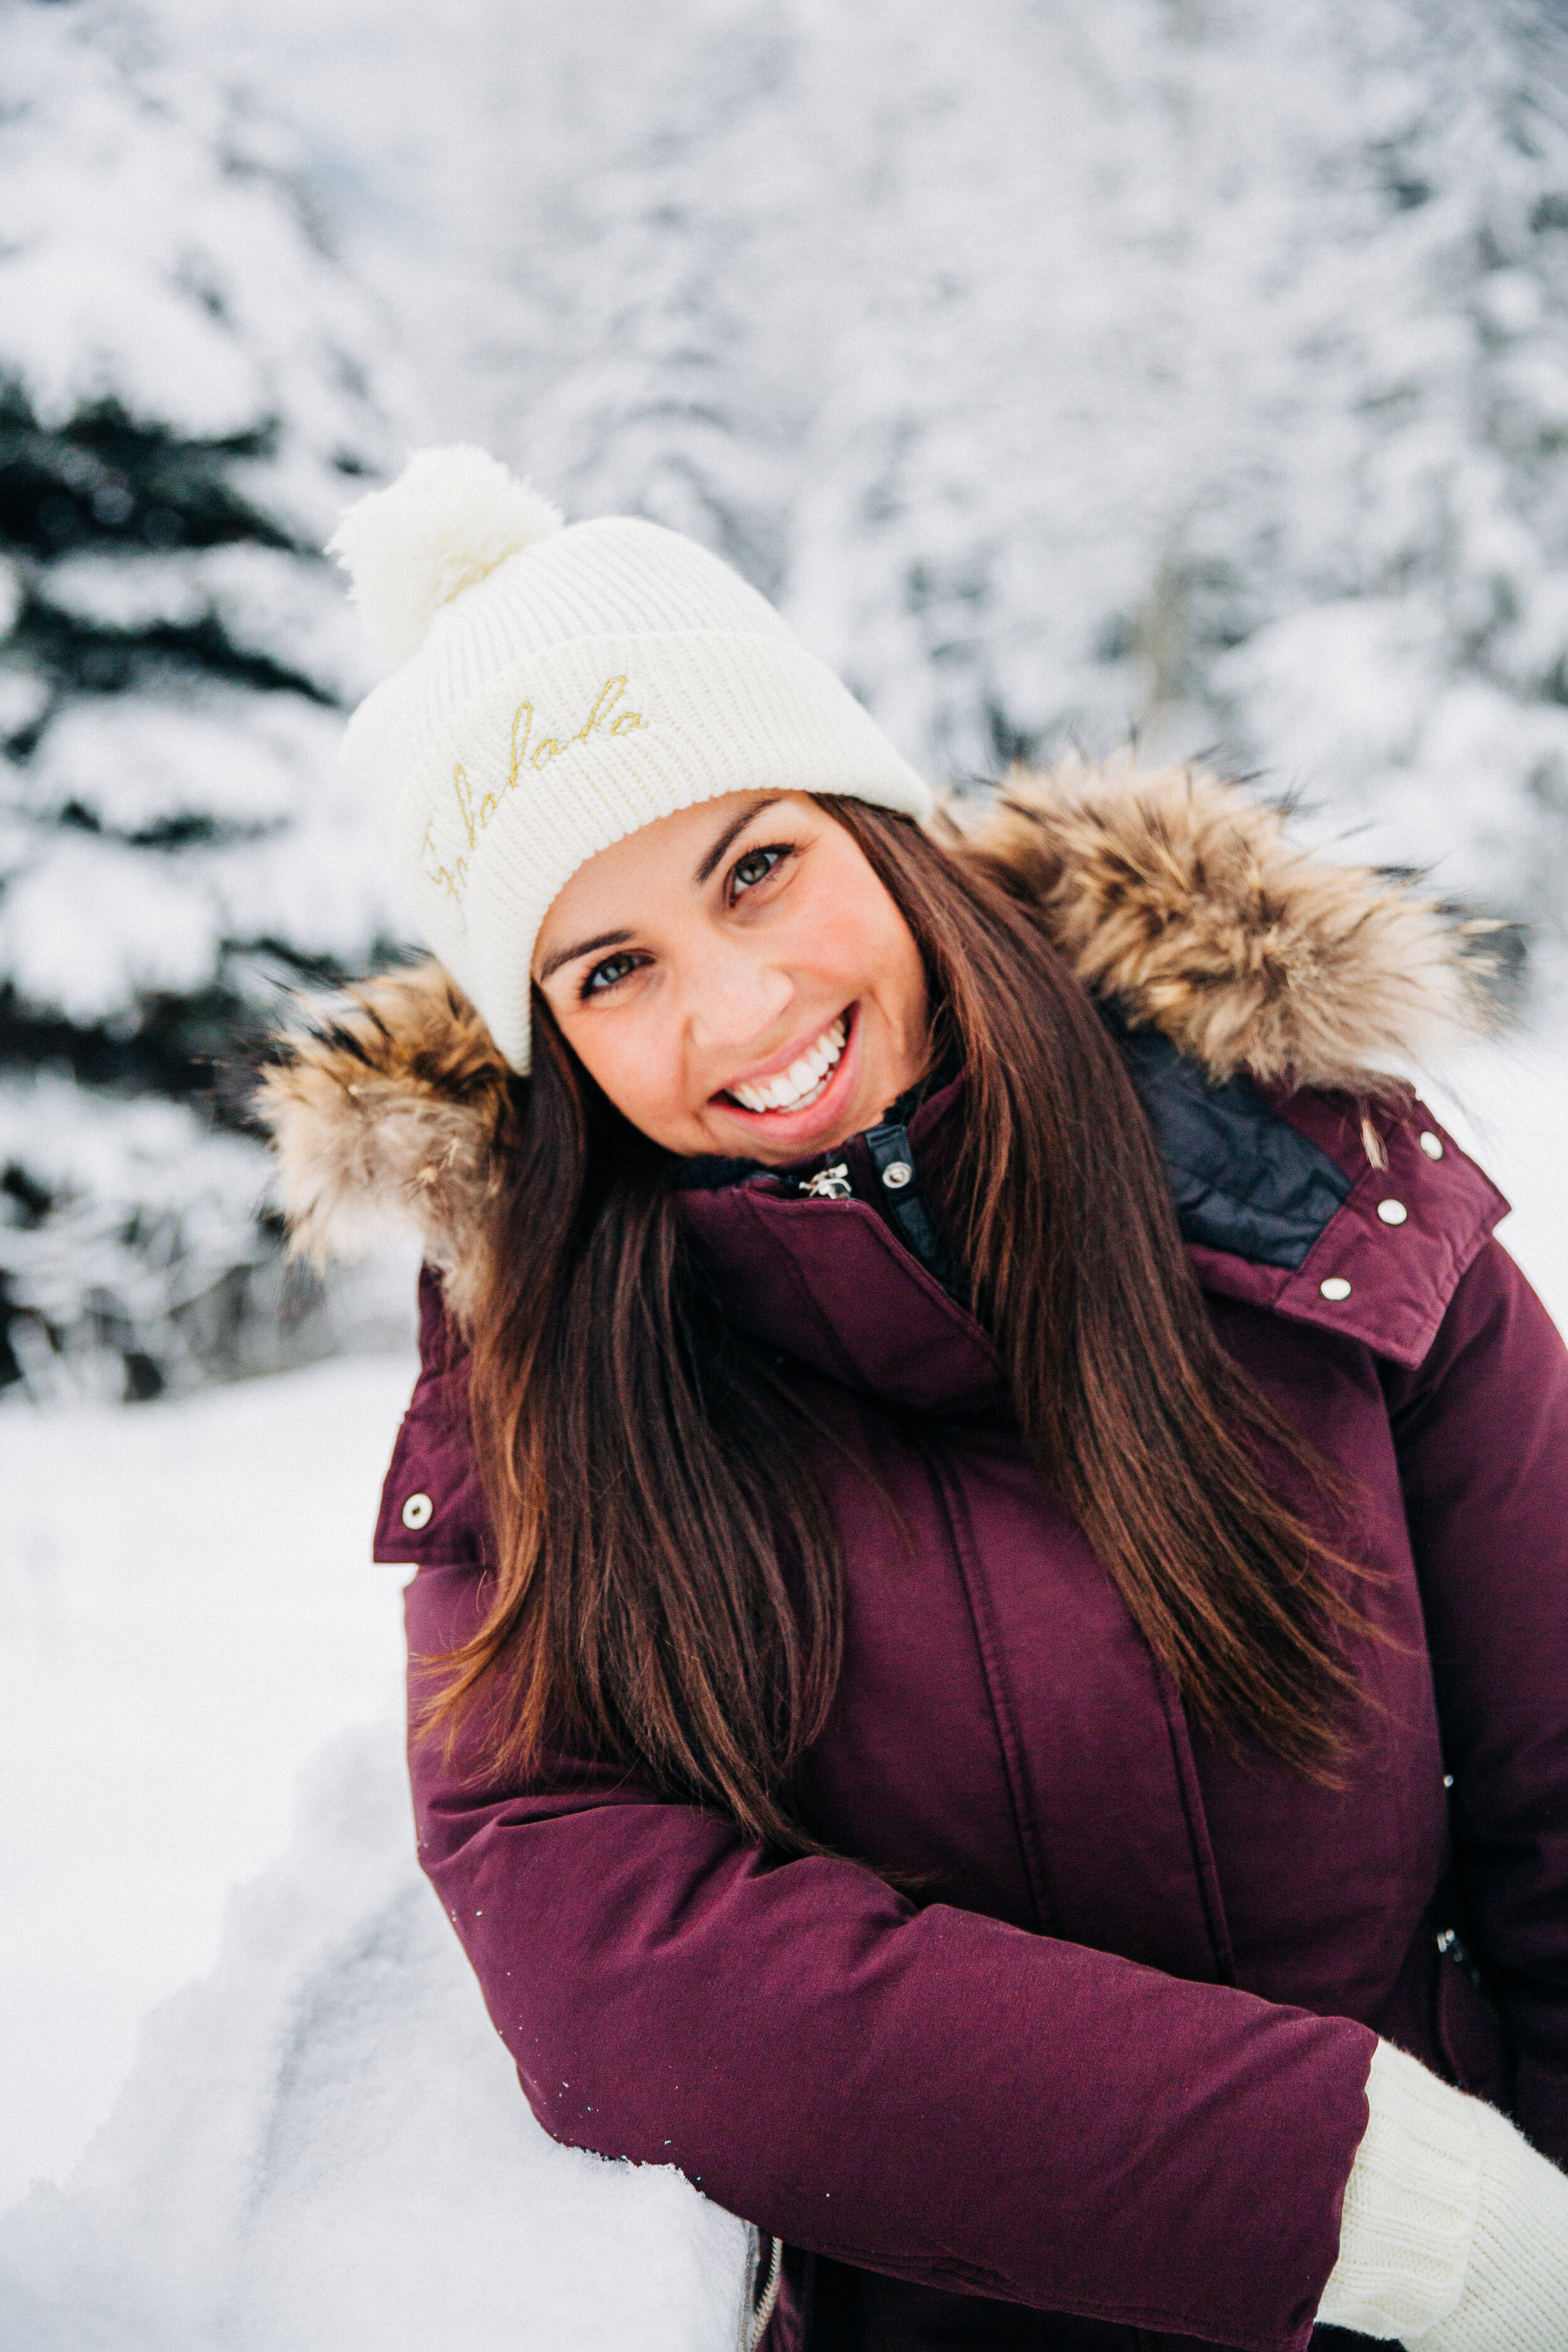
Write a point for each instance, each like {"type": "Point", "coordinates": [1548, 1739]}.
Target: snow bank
{"type": "Point", "coordinates": [324, 2145]}
{"type": "Point", "coordinates": [187, 1612]}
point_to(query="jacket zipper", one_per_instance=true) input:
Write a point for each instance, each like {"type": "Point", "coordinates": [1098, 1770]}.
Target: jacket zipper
{"type": "Point", "coordinates": [909, 1210]}
{"type": "Point", "coordinates": [762, 2315]}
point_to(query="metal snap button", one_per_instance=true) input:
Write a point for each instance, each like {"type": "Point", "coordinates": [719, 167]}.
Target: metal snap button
{"type": "Point", "coordinates": [1335, 1287]}
{"type": "Point", "coordinates": [1432, 1145]}
{"type": "Point", "coordinates": [1393, 1213]}
{"type": "Point", "coordinates": [417, 1512]}
{"type": "Point", "coordinates": [897, 1174]}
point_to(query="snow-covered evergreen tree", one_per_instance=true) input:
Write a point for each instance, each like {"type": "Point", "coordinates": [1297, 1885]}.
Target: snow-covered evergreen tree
{"type": "Point", "coordinates": [650, 319]}
{"type": "Point", "coordinates": [1178, 363]}
{"type": "Point", "coordinates": [183, 408]}
{"type": "Point", "coordinates": [1253, 433]}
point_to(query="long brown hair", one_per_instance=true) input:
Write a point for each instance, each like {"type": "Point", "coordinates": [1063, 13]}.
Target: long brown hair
{"type": "Point", "coordinates": [667, 1585]}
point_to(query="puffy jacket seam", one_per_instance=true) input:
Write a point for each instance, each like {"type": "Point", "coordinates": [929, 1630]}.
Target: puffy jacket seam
{"type": "Point", "coordinates": [849, 1371]}
{"type": "Point", "coordinates": [950, 1501]}
{"type": "Point", "coordinates": [1195, 1819]}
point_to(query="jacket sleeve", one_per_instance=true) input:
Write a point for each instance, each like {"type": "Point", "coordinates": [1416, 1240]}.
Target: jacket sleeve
{"type": "Point", "coordinates": [927, 2092]}
{"type": "Point", "coordinates": [1482, 1435]}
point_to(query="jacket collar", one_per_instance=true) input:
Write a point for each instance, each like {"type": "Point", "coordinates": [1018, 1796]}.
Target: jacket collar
{"type": "Point", "coordinates": [1284, 1205]}
{"type": "Point", "coordinates": [1357, 1215]}
{"type": "Point", "coordinates": [829, 1281]}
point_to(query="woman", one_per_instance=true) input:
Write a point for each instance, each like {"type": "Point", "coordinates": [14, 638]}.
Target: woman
{"type": "Point", "coordinates": [990, 1634]}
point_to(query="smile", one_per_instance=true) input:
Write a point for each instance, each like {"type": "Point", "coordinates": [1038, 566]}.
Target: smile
{"type": "Point", "coordinates": [804, 1079]}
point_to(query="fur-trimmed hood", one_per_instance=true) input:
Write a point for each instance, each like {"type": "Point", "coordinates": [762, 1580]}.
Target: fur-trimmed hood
{"type": "Point", "coordinates": [1168, 890]}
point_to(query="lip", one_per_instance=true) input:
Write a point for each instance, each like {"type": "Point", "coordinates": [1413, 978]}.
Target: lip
{"type": "Point", "coordinates": [794, 1126]}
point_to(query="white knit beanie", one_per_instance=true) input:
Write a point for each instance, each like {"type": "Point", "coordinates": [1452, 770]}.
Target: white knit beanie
{"type": "Point", "coordinates": [557, 689]}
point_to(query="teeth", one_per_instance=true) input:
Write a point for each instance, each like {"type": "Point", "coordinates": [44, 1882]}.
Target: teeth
{"type": "Point", "coordinates": [803, 1079]}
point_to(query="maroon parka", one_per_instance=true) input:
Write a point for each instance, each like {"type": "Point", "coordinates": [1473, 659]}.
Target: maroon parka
{"type": "Point", "coordinates": [1102, 2082]}
{"type": "Point", "coordinates": [1110, 2063]}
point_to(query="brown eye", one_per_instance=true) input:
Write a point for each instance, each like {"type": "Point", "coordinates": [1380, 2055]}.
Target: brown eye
{"type": "Point", "coordinates": [754, 868]}
{"type": "Point", "coordinates": [608, 974]}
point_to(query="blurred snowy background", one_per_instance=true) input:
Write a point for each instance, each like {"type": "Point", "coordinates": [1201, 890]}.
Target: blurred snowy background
{"type": "Point", "coordinates": [1196, 365]}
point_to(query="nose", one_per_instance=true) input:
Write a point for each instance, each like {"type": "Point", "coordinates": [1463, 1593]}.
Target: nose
{"type": "Point", "coordinates": [734, 998]}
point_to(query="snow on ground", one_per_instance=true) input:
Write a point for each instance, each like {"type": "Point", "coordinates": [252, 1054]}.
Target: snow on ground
{"type": "Point", "coordinates": [187, 1611]}
{"type": "Point", "coordinates": [324, 2148]}
{"type": "Point", "coordinates": [321, 2143]}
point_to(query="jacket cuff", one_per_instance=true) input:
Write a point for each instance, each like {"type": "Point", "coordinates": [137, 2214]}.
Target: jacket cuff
{"type": "Point", "coordinates": [1411, 2203]}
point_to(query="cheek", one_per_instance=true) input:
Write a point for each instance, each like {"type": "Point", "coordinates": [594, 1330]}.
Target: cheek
{"type": "Point", "coordinates": [874, 955]}
{"type": "Point", "coordinates": [639, 1064]}
{"type": "Point", "coordinates": [628, 1067]}
{"type": "Point", "coordinates": [907, 984]}
{"type": "Point", "coordinates": [854, 938]}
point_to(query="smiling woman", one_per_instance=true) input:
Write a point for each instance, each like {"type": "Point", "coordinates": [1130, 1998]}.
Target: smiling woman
{"type": "Point", "coordinates": [764, 997]}
{"type": "Point", "coordinates": [988, 1642]}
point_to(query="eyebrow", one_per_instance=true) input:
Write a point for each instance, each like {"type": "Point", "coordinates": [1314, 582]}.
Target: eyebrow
{"type": "Point", "coordinates": [582, 947]}
{"type": "Point", "coordinates": [729, 833]}
{"type": "Point", "coordinates": [618, 938]}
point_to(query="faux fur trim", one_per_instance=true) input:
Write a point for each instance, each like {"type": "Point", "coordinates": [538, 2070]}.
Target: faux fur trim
{"type": "Point", "coordinates": [1182, 899]}
{"type": "Point", "coordinates": [1170, 890]}
{"type": "Point", "coordinates": [384, 1112]}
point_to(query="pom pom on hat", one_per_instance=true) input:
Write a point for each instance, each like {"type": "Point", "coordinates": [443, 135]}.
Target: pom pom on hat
{"type": "Point", "coordinates": [450, 518]}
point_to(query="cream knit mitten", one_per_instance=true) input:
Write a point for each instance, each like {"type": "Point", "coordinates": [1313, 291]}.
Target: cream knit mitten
{"type": "Point", "coordinates": [1455, 2233]}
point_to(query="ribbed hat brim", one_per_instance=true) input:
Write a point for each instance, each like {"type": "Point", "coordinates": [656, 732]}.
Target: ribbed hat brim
{"type": "Point", "coordinates": [559, 754]}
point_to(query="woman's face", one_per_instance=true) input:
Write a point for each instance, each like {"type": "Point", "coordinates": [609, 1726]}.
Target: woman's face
{"type": "Point", "coordinates": [738, 981]}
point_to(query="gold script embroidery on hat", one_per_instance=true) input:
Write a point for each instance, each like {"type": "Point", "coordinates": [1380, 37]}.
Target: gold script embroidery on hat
{"type": "Point", "coordinates": [524, 753]}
